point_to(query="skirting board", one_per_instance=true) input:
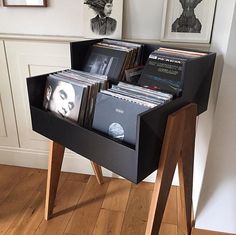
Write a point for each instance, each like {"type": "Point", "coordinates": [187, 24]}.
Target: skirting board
{"type": "Point", "coordinates": [72, 162]}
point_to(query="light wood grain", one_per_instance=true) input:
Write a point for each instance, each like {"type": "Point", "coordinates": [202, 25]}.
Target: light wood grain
{"type": "Point", "coordinates": [137, 212]}
{"type": "Point", "coordinates": [85, 216]}
{"type": "Point", "coordinates": [117, 195]}
{"type": "Point", "coordinates": [179, 130]}
{"type": "Point", "coordinates": [83, 178]}
{"type": "Point", "coordinates": [169, 229]}
{"type": "Point", "coordinates": [67, 199]}
{"type": "Point", "coordinates": [22, 210]}
{"type": "Point", "coordinates": [171, 149]}
{"type": "Point", "coordinates": [170, 215]}
{"type": "Point", "coordinates": [109, 223]}
{"type": "Point", "coordinates": [9, 178]}
{"type": "Point", "coordinates": [32, 215]}
{"type": "Point", "coordinates": [55, 158]}
{"type": "Point", "coordinates": [144, 185]}
{"type": "Point", "coordinates": [19, 198]}
{"type": "Point", "coordinates": [185, 166]}
{"type": "Point", "coordinates": [29, 218]}
{"type": "Point", "coordinates": [97, 171]}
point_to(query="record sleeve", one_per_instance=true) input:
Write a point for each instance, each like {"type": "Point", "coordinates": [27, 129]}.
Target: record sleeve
{"type": "Point", "coordinates": [65, 99]}
{"type": "Point", "coordinates": [117, 117]}
{"type": "Point", "coordinates": [105, 61]}
{"type": "Point", "coordinates": [163, 72]}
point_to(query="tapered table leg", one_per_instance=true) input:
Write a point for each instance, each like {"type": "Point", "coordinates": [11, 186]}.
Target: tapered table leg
{"type": "Point", "coordinates": [55, 158]}
{"type": "Point", "coordinates": [177, 145]}
{"type": "Point", "coordinates": [98, 172]}
{"type": "Point", "coordinates": [185, 166]}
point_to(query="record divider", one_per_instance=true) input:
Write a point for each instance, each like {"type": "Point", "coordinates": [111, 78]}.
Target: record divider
{"type": "Point", "coordinates": [177, 149]}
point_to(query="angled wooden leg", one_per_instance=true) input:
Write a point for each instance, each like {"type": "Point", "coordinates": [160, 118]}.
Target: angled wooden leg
{"type": "Point", "coordinates": [169, 157]}
{"type": "Point", "coordinates": [185, 166]}
{"type": "Point", "coordinates": [98, 172]}
{"type": "Point", "coordinates": [55, 159]}
{"type": "Point", "coordinates": [171, 153]}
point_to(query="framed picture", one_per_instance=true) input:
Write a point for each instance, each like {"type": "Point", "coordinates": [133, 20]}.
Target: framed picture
{"type": "Point", "coordinates": [103, 18]}
{"type": "Point", "coordinates": [188, 20]}
{"type": "Point", "coordinates": [25, 3]}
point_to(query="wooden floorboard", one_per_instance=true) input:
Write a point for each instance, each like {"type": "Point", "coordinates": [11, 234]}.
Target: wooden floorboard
{"type": "Point", "coordinates": [206, 232]}
{"type": "Point", "coordinates": [86, 213]}
{"type": "Point", "coordinates": [14, 205]}
{"type": "Point", "coordinates": [117, 195]}
{"type": "Point", "coordinates": [136, 214]}
{"type": "Point", "coordinates": [82, 206]}
{"type": "Point", "coordinates": [109, 222]}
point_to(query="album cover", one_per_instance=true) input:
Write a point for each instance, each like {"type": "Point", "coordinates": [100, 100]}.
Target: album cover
{"type": "Point", "coordinates": [163, 72]}
{"type": "Point", "coordinates": [64, 98]}
{"type": "Point", "coordinates": [117, 117]}
{"type": "Point", "coordinates": [105, 61]}
{"type": "Point", "coordinates": [132, 75]}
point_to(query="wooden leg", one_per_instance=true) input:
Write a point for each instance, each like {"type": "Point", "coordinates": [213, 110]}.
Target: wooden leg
{"type": "Point", "coordinates": [172, 149]}
{"type": "Point", "coordinates": [98, 172]}
{"type": "Point", "coordinates": [55, 159]}
{"type": "Point", "coordinates": [185, 166]}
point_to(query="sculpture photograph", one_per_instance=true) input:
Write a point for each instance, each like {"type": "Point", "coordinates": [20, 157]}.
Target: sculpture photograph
{"type": "Point", "coordinates": [187, 20]}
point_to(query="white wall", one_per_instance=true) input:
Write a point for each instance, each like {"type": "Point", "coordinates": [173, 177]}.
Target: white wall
{"type": "Point", "coordinates": [217, 204]}
{"type": "Point", "coordinates": [219, 44]}
{"type": "Point", "coordinates": [61, 17]}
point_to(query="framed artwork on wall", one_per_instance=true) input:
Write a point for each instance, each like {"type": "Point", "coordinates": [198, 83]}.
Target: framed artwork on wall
{"type": "Point", "coordinates": [25, 3]}
{"type": "Point", "coordinates": [103, 18]}
{"type": "Point", "coordinates": [188, 20]}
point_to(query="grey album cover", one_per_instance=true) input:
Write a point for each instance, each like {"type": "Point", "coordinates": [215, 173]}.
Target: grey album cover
{"type": "Point", "coordinates": [117, 117]}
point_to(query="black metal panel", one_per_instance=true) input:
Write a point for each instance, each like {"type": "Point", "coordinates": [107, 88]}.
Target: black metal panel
{"type": "Point", "coordinates": [36, 87]}
{"type": "Point", "coordinates": [197, 83]}
{"type": "Point", "coordinates": [147, 50]}
{"type": "Point", "coordinates": [151, 134]}
{"type": "Point", "coordinates": [105, 152]}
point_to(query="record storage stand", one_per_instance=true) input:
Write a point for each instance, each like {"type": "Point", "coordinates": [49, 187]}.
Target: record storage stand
{"type": "Point", "coordinates": [170, 131]}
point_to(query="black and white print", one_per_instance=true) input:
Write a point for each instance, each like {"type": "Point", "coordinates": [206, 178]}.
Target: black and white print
{"type": "Point", "coordinates": [63, 98]}
{"type": "Point", "coordinates": [103, 18]}
{"type": "Point", "coordinates": [187, 20]}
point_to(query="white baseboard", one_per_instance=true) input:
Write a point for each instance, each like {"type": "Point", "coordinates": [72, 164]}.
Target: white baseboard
{"type": "Point", "coordinates": [71, 163]}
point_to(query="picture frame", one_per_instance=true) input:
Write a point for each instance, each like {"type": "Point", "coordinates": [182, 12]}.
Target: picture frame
{"type": "Point", "coordinates": [25, 3]}
{"type": "Point", "coordinates": [187, 21]}
{"type": "Point", "coordinates": [109, 26]}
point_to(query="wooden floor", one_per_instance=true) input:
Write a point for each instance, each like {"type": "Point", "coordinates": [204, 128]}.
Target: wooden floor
{"type": "Point", "coordinates": [83, 207]}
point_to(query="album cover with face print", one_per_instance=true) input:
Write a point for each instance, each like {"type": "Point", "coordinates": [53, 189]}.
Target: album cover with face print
{"type": "Point", "coordinates": [64, 98]}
